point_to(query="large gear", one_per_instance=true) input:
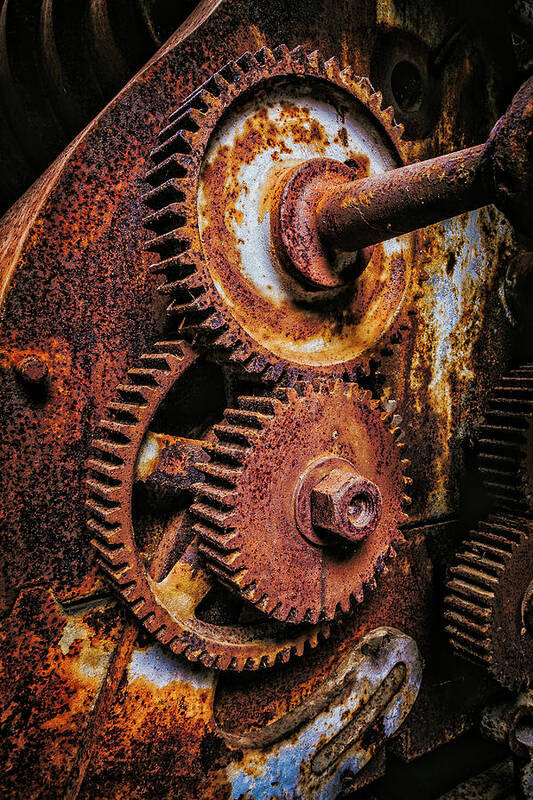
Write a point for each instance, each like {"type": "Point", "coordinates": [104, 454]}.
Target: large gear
{"type": "Point", "coordinates": [217, 167]}
{"type": "Point", "coordinates": [167, 604]}
{"type": "Point", "coordinates": [506, 442]}
{"type": "Point", "coordinates": [484, 608]}
{"type": "Point", "coordinates": [247, 510]}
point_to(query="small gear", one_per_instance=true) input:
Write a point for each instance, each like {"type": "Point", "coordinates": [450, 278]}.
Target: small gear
{"type": "Point", "coordinates": [167, 604]}
{"type": "Point", "coordinates": [217, 165]}
{"type": "Point", "coordinates": [506, 442]}
{"type": "Point", "coordinates": [256, 533]}
{"type": "Point", "coordinates": [484, 608]}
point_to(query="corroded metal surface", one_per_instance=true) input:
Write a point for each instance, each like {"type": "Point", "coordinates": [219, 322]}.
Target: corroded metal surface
{"type": "Point", "coordinates": [247, 525]}
{"type": "Point", "coordinates": [60, 63]}
{"type": "Point", "coordinates": [505, 441]}
{"type": "Point", "coordinates": [320, 213]}
{"type": "Point", "coordinates": [218, 163]}
{"type": "Point", "coordinates": [484, 606]}
{"type": "Point", "coordinates": [310, 752]}
{"type": "Point", "coordinates": [166, 593]}
{"type": "Point", "coordinates": [77, 294]}
{"type": "Point", "coordinates": [54, 664]}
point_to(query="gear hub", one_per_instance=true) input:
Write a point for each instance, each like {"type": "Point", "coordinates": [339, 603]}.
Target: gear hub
{"type": "Point", "coordinates": [220, 166]}
{"type": "Point", "coordinates": [162, 578]}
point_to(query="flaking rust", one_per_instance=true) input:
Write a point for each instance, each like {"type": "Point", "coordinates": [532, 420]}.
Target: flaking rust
{"type": "Point", "coordinates": [94, 706]}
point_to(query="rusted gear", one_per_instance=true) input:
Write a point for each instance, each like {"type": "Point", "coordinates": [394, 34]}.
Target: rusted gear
{"type": "Point", "coordinates": [506, 442]}
{"type": "Point", "coordinates": [485, 606]}
{"type": "Point", "coordinates": [166, 604]}
{"type": "Point", "coordinates": [219, 163]}
{"type": "Point", "coordinates": [255, 532]}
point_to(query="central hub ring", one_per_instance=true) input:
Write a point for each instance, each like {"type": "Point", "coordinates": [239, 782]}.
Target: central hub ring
{"type": "Point", "coordinates": [294, 227]}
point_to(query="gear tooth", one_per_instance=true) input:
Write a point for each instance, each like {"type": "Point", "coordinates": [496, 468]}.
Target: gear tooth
{"type": "Point", "coordinates": [347, 75]}
{"type": "Point", "coordinates": [222, 520]}
{"type": "Point", "coordinates": [398, 132]}
{"type": "Point", "coordinates": [483, 590]}
{"type": "Point", "coordinates": [299, 647]}
{"type": "Point", "coordinates": [396, 421]}
{"type": "Point", "coordinates": [285, 395]}
{"type": "Point", "coordinates": [358, 595]}
{"type": "Point", "coordinates": [324, 631]}
{"type": "Point", "coordinates": [247, 62]}
{"type": "Point", "coordinates": [315, 60]}
{"type": "Point", "coordinates": [284, 655]}
{"type": "Point", "coordinates": [281, 53]}
{"type": "Point", "coordinates": [273, 373]}
{"type": "Point", "coordinates": [265, 57]}
{"type": "Point", "coordinates": [213, 540]}
{"type": "Point", "coordinates": [388, 113]}
{"type": "Point", "coordinates": [299, 54]}
{"type": "Point", "coordinates": [364, 83]}
{"type": "Point", "coordinates": [332, 69]}
{"type": "Point", "coordinates": [342, 607]}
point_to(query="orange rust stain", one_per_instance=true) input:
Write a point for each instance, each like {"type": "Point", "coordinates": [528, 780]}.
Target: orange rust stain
{"type": "Point", "coordinates": [52, 664]}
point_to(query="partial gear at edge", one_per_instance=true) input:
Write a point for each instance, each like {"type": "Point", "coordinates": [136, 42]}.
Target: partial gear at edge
{"type": "Point", "coordinates": [202, 314]}
{"type": "Point", "coordinates": [483, 607]}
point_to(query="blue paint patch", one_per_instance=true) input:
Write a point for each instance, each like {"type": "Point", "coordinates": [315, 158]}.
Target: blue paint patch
{"type": "Point", "coordinates": [162, 669]}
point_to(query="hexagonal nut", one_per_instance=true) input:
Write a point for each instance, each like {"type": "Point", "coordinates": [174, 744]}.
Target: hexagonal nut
{"type": "Point", "coordinates": [346, 504]}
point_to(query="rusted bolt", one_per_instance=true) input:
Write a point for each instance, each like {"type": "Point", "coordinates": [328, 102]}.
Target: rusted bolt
{"type": "Point", "coordinates": [346, 504]}
{"type": "Point", "coordinates": [32, 370]}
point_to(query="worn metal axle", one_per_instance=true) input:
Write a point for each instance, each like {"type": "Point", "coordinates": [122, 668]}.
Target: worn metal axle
{"type": "Point", "coordinates": [321, 211]}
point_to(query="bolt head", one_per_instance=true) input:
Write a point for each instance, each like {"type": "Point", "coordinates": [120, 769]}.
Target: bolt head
{"type": "Point", "coordinates": [33, 370]}
{"type": "Point", "coordinates": [346, 504]}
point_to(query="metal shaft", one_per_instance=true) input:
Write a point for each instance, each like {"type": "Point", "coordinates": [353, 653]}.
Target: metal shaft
{"type": "Point", "coordinates": [321, 209]}
{"type": "Point", "coordinates": [363, 212]}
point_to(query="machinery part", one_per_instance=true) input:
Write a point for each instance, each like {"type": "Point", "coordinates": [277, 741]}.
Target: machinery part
{"type": "Point", "coordinates": [318, 749]}
{"type": "Point", "coordinates": [484, 605]}
{"type": "Point", "coordinates": [506, 442]}
{"type": "Point", "coordinates": [32, 370]}
{"type": "Point", "coordinates": [75, 291]}
{"type": "Point", "coordinates": [318, 214]}
{"type": "Point", "coordinates": [346, 504]}
{"type": "Point", "coordinates": [166, 596]}
{"type": "Point", "coordinates": [218, 165]}
{"type": "Point", "coordinates": [269, 465]}
{"type": "Point", "coordinates": [509, 154]}
{"type": "Point", "coordinates": [60, 63]}
{"type": "Point", "coordinates": [512, 724]}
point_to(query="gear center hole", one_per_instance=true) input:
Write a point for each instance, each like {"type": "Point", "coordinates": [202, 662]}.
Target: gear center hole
{"type": "Point", "coordinates": [361, 510]}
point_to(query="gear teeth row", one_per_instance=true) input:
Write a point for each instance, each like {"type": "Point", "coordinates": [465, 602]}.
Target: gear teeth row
{"type": "Point", "coordinates": [505, 441]}
{"type": "Point", "coordinates": [199, 313]}
{"type": "Point", "coordinates": [215, 507]}
{"type": "Point", "coordinates": [110, 470]}
{"type": "Point", "coordinates": [477, 591]}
